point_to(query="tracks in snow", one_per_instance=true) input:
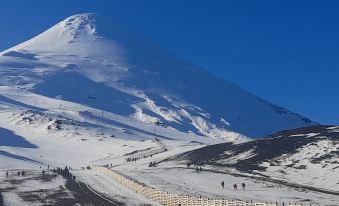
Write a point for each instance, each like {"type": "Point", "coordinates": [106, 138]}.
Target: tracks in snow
{"type": "Point", "coordinates": [86, 195]}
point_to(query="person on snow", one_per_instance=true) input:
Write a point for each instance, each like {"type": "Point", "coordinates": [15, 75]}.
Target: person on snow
{"type": "Point", "coordinates": [235, 187]}
{"type": "Point", "coordinates": [243, 186]}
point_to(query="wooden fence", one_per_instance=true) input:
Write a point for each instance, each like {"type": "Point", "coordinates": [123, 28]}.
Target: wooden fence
{"type": "Point", "coordinates": [170, 199]}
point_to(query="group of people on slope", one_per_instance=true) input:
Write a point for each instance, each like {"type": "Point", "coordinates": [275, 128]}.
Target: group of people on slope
{"type": "Point", "coordinates": [235, 186]}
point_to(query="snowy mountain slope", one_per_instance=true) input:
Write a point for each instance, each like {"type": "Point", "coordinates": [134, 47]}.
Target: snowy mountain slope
{"type": "Point", "coordinates": [91, 61]}
{"type": "Point", "coordinates": [308, 156]}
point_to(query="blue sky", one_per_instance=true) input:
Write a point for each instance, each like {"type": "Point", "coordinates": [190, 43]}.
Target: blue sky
{"type": "Point", "coordinates": [284, 51]}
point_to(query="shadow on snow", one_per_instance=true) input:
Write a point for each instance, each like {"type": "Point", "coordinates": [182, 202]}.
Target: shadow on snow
{"type": "Point", "coordinates": [8, 138]}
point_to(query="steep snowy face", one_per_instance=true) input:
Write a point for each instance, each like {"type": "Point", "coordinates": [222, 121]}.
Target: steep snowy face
{"type": "Point", "coordinates": [91, 61]}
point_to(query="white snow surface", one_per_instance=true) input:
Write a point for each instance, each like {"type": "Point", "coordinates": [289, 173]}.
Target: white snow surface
{"type": "Point", "coordinates": [16, 188]}
{"type": "Point", "coordinates": [89, 60]}
{"type": "Point", "coordinates": [320, 174]}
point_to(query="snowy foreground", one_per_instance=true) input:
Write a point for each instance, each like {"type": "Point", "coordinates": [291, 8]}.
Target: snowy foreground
{"type": "Point", "coordinates": [93, 97]}
{"type": "Point", "coordinates": [38, 141]}
{"type": "Point", "coordinates": [177, 178]}
{"type": "Point", "coordinates": [167, 175]}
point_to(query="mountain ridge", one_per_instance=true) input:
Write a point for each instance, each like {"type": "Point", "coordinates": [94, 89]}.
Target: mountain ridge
{"type": "Point", "coordinates": [125, 73]}
{"type": "Point", "coordinates": [307, 156]}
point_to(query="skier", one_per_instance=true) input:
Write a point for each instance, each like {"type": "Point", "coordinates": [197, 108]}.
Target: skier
{"type": "Point", "coordinates": [222, 184]}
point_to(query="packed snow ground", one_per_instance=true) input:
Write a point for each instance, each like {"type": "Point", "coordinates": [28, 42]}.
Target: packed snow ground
{"type": "Point", "coordinates": [175, 178]}
{"type": "Point", "coordinates": [110, 188]}
{"type": "Point", "coordinates": [208, 184]}
{"type": "Point", "coordinates": [32, 188]}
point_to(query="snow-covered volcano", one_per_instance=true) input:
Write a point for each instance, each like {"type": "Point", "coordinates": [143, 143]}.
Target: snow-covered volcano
{"type": "Point", "coordinates": [88, 60]}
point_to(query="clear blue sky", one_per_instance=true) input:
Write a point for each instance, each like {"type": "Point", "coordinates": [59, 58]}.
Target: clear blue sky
{"type": "Point", "coordinates": [284, 51]}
